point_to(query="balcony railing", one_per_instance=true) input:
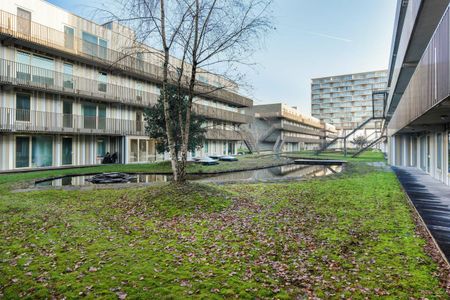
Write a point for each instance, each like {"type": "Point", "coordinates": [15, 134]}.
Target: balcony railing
{"type": "Point", "coordinates": [220, 114]}
{"type": "Point", "coordinates": [21, 120]}
{"type": "Point", "coordinates": [26, 75]}
{"type": "Point", "coordinates": [14, 26]}
{"type": "Point", "coordinates": [220, 134]}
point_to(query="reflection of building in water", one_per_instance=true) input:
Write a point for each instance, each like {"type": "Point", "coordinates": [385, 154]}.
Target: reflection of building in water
{"type": "Point", "coordinates": [288, 171]}
{"type": "Point", "coordinates": [308, 170]}
{"type": "Point", "coordinates": [81, 180]}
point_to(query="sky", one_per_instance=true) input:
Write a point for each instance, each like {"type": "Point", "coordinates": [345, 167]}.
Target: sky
{"type": "Point", "coordinates": [312, 38]}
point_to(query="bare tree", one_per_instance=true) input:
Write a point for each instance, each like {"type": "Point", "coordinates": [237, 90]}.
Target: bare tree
{"type": "Point", "coordinates": [209, 37]}
{"type": "Point", "coordinates": [359, 141]}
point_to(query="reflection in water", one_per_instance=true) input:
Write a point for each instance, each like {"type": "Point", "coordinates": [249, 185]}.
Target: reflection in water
{"type": "Point", "coordinates": [283, 172]}
{"type": "Point", "coordinates": [81, 180]}
{"type": "Point", "coordinates": [286, 172]}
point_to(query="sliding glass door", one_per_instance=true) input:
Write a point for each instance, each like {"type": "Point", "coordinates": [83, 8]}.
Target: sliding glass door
{"type": "Point", "coordinates": [42, 151]}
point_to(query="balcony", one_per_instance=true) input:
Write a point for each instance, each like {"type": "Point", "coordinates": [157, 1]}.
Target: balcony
{"type": "Point", "coordinates": [16, 30]}
{"type": "Point", "coordinates": [425, 100]}
{"type": "Point", "coordinates": [220, 114]}
{"type": "Point", "coordinates": [23, 75]}
{"type": "Point", "coordinates": [220, 134]}
{"type": "Point", "coordinates": [298, 129]}
{"type": "Point", "coordinates": [31, 121]}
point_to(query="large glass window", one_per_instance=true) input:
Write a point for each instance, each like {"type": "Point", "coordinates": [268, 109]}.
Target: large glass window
{"type": "Point", "coordinates": [23, 71]}
{"type": "Point", "coordinates": [94, 45]}
{"type": "Point", "coordinates": [102, 81]}
{"type": "Point", "coordinates": [133, 150]}
{"type": "Point", "coordinates": [43, 69]}
{"type": "Point", "coordinates": [68, 76]}
{"type": "Point", "coordinates": [89, 43]}
{"type": "Point", "coordinates": [42, 151]}
{"type": "Point", "coordinates": [69, 37]}
{"type": "Point", "coordinates": [22, 152]}
{"type": "Point", "coordinates": [89, 113]}
{"type": "Point", "coordinates": [439, 151]}
{"type": "Point", "coordinates": [23, 107]}
{"type": "Point", "coordinates": [142, 150]}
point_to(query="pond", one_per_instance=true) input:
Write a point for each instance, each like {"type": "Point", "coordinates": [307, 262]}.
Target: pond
{"type": "Point", "coordinates": [287, 172]}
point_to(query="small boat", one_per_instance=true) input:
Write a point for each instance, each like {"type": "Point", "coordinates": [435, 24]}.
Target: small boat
{"type": "Point", "coordinates": [208, 161]}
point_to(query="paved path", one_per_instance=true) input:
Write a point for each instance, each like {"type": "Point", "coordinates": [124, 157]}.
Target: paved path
{"type": "Point", "coordinates": [432, 199]}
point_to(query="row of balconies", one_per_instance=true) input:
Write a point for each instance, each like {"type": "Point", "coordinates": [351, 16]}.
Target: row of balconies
{"type": "Point", "coordinates": [14, 29]}
{"type": "Point", "coordinates": [23, 75]}
{"type": "Point", "coordinates": [23, 120]}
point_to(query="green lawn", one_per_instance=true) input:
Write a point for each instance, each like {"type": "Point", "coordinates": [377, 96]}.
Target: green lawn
{"type": "Point", "coordinates": [348, 235]}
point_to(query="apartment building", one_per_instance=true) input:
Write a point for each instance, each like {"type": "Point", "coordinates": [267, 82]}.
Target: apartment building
{"type": "Point", "coordinates": [70, 92]}
{"type": "Point", "coordinates": [346, 101]}
{"type": "Point", "coordinates": [418, 106]}
{"type": "Point", "coordinates": [280, 128]}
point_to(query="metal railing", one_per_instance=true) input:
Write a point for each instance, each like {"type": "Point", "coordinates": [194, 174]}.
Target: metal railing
{"type": "Point", "coordinates": [125, 60]}
{"type": "Point", "coordinates": [24, 120]}
{"type": "Point", "coordinates": [220, 114]}
{"type": "Point", "coordinates": [30, 76]}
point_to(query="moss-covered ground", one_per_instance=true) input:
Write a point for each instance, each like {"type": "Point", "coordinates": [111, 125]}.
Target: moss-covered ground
{"type": "Point", "coordinates": [350, 235]}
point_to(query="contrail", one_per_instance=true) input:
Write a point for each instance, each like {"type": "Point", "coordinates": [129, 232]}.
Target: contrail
{"type": "Point", "coordinates": [329, 36]}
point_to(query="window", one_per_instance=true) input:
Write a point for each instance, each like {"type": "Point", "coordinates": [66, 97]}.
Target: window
{"type": "Point", "coordinates": [101, 147]}
{"type": "Point", "coordinates": [138, 121]}
{"type": "Point", "coordinates": [23, 107]}
{"type": "Point", "coordinates": [89, 43]}
{"type": "Point", "coordinates": [67, 151]}
{"type": "Point", "coordinates": [37, 68]}
{"type": "Point", "coordinates": [101, 117]}
{"type": "Point", "coordinates": [93, 45]}
{"type": "Point", "coordinates": [448, 154]}
{"type": "Point", "coordinates": [68, 76]}
{"type": "Point", "coordinates": [139, 92]}
{"type": "Point", "coordinates": [69, 37]}
{"type": "Point", "coordinates": [43, 69]}
{"type": "Point", "coordinates": [42, 151]}
{"type": "Point", "coordinates": [102, 48]}
{"type": "Point", "coordinates": [22, 152]}
{"type": "Point", "coordinates": [140, 61]}
{"type": "Point", "coordinates": [67, 114]}
{"type": "Point", "coordinates": [102, 81]}
{"type": "Point", "coordinates": [89, 114]}
{"type": "Point", "coordinates": [439, 151]}
{"type": "Point", "coordinates": [23, 21]}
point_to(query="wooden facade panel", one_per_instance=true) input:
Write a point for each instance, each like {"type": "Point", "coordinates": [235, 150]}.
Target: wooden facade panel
{"type": "Point", "coordinates": [430, 83]}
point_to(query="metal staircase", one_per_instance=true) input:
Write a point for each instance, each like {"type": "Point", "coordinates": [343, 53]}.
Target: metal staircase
{"type": "Point", "coordinates": [360, 126]}
{"type": "Point", "coordinates": [370, 145]}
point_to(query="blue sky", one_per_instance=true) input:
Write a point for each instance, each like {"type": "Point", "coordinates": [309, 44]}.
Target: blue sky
{"type": "Point", "coordinates": [313, 38]}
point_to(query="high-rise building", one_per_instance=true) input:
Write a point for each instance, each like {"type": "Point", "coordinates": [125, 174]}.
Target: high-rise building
{"type": "Point", "coordinates": [418, 106]}
{"type": "Point", "coordinates": [69, 94]}
{"type": "Point", "coordinates": [346, 101]}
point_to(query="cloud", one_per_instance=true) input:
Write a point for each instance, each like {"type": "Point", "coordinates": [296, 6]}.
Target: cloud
{"type": "Point", "coordinates": [329, 36]}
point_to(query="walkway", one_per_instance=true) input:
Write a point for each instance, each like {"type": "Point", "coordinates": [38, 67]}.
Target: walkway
{"type": "Point", "coordinates": [432, 199]}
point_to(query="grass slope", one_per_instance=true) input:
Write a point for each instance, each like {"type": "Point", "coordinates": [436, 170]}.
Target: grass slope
{"type": "Point", "coordinates": [350, 235]}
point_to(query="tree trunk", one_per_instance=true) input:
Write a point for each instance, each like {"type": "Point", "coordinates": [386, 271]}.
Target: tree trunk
{"type": "Point", "coordinates": [187, 125]}
{"type": "Point", "coordinates": [169, 128]}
